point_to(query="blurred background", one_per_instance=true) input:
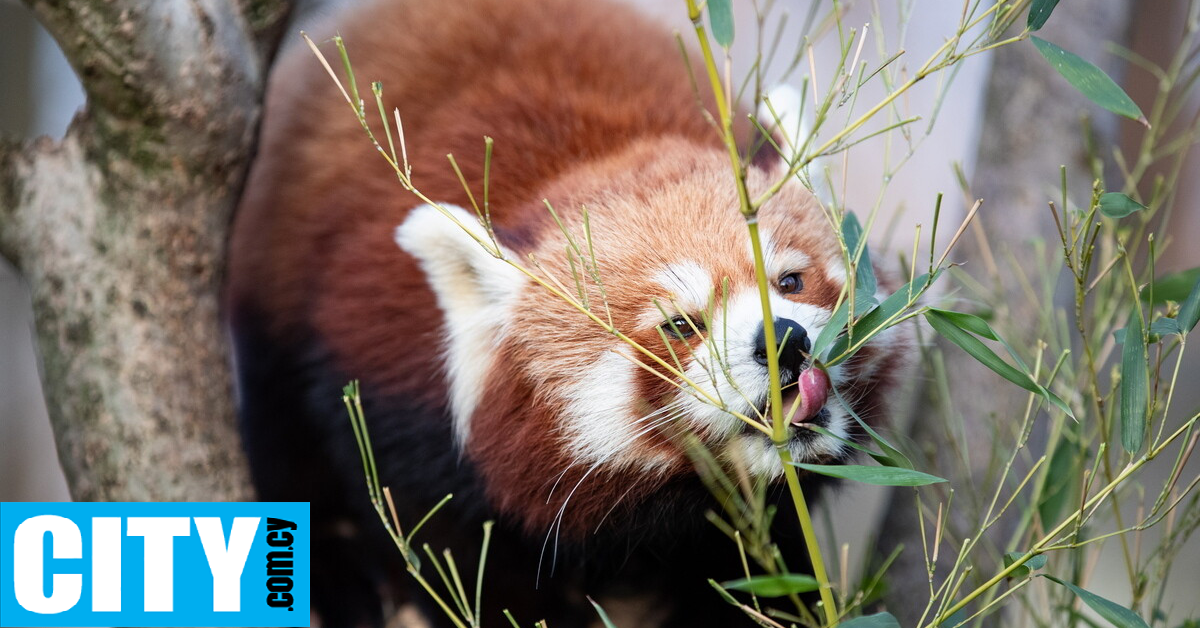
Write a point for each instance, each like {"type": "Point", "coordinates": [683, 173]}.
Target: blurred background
{"type": "Point", "coordinates": [39, 94]}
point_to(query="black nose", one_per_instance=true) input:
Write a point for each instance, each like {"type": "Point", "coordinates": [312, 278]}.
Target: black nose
{"type": "Point", "coordinates": [794, 347]}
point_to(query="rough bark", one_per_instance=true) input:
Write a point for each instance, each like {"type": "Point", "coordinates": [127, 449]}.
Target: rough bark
{"type": "Point", "coordinates": [120, 231]}
{"type": "Point", "coordinates": [1032, 126]}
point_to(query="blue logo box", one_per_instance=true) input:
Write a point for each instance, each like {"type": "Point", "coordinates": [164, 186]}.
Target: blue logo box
{"type": "Point", "coordinates": [154, 564]}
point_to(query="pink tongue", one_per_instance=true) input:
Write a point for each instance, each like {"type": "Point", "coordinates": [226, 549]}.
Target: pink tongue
{"type": "Point", "coordinates": [814, 390]}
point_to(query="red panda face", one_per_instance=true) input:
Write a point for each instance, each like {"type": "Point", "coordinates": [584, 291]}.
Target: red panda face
{"type": "Point", "coordinates": [665, 256]}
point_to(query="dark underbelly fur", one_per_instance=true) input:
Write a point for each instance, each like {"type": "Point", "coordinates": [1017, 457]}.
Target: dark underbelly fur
{"type": "Point", "coordinates": [301, 448]}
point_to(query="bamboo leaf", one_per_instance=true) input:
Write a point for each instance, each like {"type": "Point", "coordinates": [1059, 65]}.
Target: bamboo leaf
{"type": "Point", "coordinates": [774, 586]}
{"type": "Point", "coordinates": [878, 620]}
{"type": "Point", "coordinates": [835, 326]}
{"type": "Point", "coordinates": [1039, 12]}
{"type": "Point", "coordinates": [1057, 402]}
{"type": "Point", "coordinates": [1061, 481]}
{"type": "Point", "coordinates": [1172, 287]}
{"type": "Point", "coordinates": [879, 476]}
{"type": "Point", "coordinates": [1033, 564]}
{"type": "Point", "coordinates": [956, 620]}
{"type": "Point", "coordinates": [1158, 329]}
{"type": "Point", "coordinates": [1164, 327]}
{"type": "Point", "coordinates": [720, 17]}
{"type": "Point", "coordinates": [883, 459]}
{"type": "Point", "coordinates": [971, 323]}
{"type": "Point", "coordinates": [1116, 614]}
{"type": "Point", "coordinates": [870, 324]}
{"type": "Point", "coordinates": [957, 327]}
{"type": "Point", "coordinates": [1117, 205]}
{"type": "Point", "coordinates": [1133, 386]}
{"type": "Point", "coordinates": [1189, 312]}
{"type": "Point", "coordinates": [980, 327]}
{"type": "Point", "coordinates": [891, 457]}
{"type": "Point", "coordinates": [864, 274]}
{"type": "Point", "coordinates": [1090, 80]}
{"type": "Point", "coordinates": [946, 326]}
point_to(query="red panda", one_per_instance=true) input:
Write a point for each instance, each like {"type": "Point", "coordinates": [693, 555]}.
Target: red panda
{"type": "Point", "coordinates": [476, 380]}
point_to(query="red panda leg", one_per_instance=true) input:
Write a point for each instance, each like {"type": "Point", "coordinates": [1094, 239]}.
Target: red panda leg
{"type": "Point", "coordinates": [289, 461]}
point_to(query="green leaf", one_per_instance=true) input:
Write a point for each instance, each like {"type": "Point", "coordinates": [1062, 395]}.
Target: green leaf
{"type": "Point", "coordinates": [891, 457]}
{"type": "Point", "coordinates": [1060, 484]}
{"type": "Point", "coordinates": [957, 327]}
{"type": "Point", "coordinates": [1116, 614]}
{"type": "Point", "coordinates": [835, 326]}
{"type": "Point", "coordinates": [1117, 205]}
{"type": "Point", "coordinates": [603, 615]}
{"type": "Point", "coordinates": [1189, 312]}
{"type": "Point", "coordinates": [1133, 386]}
{"type": "Point", "coordinates": [864, 275]}
{"type": "Point", "coordinates": [971, 323]}
{"type": "Point", "coordinates": [870, 323]}
{"type": "Point", "coordinates": [879, 476]}
{"type": "Point", "coordinates": [774, 586]}
{"type": "Point", "coordinates": [878, 620]}
{"type": "Point", "coordinates": [1090, 80]}
{"type": "Point", "coordinates": [947, 327]}
{"type": "Point", "coordinates": [1033, 564]}
{"type": "Point", "coordinates": [980, 327]}
{"type": "Point", "coordinates": [1165, 327]}
{"type": "Point", "coordinates": [1039, 12]}
{"type": "Point", "coordinates": [1173, 287]}
{"type": "Point", "coordinates": [720, 16]}
{"type": "Point", "coordinates": [1158, 329]}
{"type": "Point", "coordinates": [883, 459]}
{"type": "Point", "coordinates": [955, 620]}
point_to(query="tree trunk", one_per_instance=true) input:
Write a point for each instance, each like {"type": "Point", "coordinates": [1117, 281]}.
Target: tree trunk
{"type": "Point", "coordinates": [120, 231]}
{"type": "Point", "coordinates": [1031, 127]}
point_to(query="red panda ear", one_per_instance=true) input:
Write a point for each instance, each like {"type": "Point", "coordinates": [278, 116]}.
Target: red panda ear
{"type": "Point", "coordinates": [784, 115]}
{"type": "Point", "coordinates": [463, 265]}
{"type": "Point", "coordinates": [475, 289]}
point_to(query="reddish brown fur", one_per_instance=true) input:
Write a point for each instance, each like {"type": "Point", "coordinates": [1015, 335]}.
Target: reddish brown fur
{"type": "Point", "coordinates": [317, 214]}
{"type": "Point", "coordinates": [312, 242]}
{"type": "Point", "coordinates": [589, 106]}
{"type": "Point", "coordinates": [581, 113]}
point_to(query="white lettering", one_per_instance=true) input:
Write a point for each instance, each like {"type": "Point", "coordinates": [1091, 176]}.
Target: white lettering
{"type": "Point", "coordinates": [227, 562]}
{"type": "Point", "coordinates": [28, 567]}
{"type": "Point", "coordinates": [160, 533]}
{"type": "Point", "coordinates": [106, 564]}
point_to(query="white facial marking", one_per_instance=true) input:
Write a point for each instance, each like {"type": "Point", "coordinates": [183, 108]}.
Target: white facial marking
{"type": "Point", "coordinates": [475, 292]}
{"type": "Point", "coordinates": [601, 425]}
{"type": "Point", "coordinates": [836, 271]}
{"type": "Point", "coordinates": [783, 261]}
{"type": "Point", "coordinates": [689, 285]}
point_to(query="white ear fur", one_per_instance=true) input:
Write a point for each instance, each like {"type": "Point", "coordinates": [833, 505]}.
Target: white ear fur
{"type": "Point", "coordinates": [475, 291]}
{"type": "Point", "coordinates": [789, 119]}
{"type": "Point", "coordinates": [794, 123]}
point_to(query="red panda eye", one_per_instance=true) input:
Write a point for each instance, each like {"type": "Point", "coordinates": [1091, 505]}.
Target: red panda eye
{"type": "Point", "coordinates": [679, 327]}
{"type": "Point", "coordinates": [791, 283]}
